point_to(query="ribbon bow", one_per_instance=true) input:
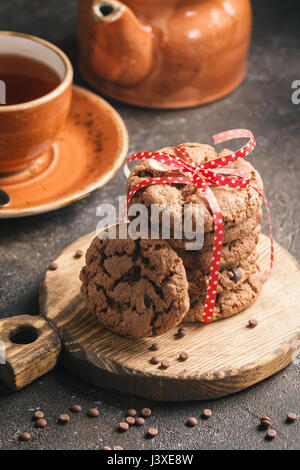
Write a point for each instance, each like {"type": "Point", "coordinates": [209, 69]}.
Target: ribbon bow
{"type": "Point", "coordinates": [203, 176]}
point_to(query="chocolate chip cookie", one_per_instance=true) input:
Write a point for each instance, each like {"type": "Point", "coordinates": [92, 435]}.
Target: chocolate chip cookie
{"type": "Point", "coordinates": [237, 205]}
{"type": "Point", "coordinates": [232, 253]}
{"type": "Point", "coordinates": [230, 278]}
{"type": "Point", "coordinates": [228, 302]}
{"type": "Point", "coordinates": [136, 288]}
{"type": "Point", "coordinates": [231, 232]}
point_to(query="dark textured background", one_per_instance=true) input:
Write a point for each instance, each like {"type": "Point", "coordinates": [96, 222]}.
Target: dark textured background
{"type": "Point", "coordinates": [263, 104]}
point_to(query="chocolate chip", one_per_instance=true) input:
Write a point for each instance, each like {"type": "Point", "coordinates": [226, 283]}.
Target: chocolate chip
{"type": "Point", "coordinates": [152, 432]}
{"type": "Point", "coordinates": [78, 254]}
{"type": "Point", "coordinates": [53, 266]}
{"type": "Point", "coordinates": [154, 347]}
{"type": "Point", "coordinates": [165, 364]}
{"type": "Point", "coordinates": [64, 418]}
{"type": "Point", "coordinates": [134, 274]}
{"type": "Point", "coordinates": [41, 423]}
{"type": "Point", "coordinates": [265, 422]}
{"type": "Point", "coordinates": [93, 413]}
{"type": "Point", "coordinates": [237, 275]}
{"type": "Point", "coordinates": [252, 323]}
{"type": "Point", "coordinates": [130, 420]}
{"type": "Point", "coordinates": [75, 408]}
{"type": "Point", "coordinates": [181, 332]}
{"type": "Point", "coordinates": [191, 422]}
{"type": "Point", "coordinates": [207, 413]}
{"type": "Point", "coordinates": [155, 360]}
{"type": "Point", "coordinates": [146, 412]}
{"type": "Point", "coordinates": [106, 448]}
{"type": "Point", "coordinates": [38, 415]}
{"type": "Point", "coordinates": [271, 434]}
{"type": "Point", "coordinates": [24, 436]}
{"type": "Point", "coordinates": [139, 421]}
{"type": "Point", "coordinates": [183, 356]}
{"type": "Point", "coordinates": [265, 418]}
{"type": "Point", "coordinates": [131, 412]}
{"type": "Point", "coordinates": [123, 427]}
{"type": "Point", "coordinates": [291, 417]}
{"type": "Point", "coordinates": [147, 301]}
{"type": "Point", "coordinates": [118, 448]}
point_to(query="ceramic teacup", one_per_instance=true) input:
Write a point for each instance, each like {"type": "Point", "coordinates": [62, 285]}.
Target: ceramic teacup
{"type": "Point", "coordinates": [27, 130]}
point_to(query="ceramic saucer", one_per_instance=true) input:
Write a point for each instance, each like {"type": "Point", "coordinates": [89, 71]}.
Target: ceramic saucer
{"type": "Point", "coordinates": [86, 155]}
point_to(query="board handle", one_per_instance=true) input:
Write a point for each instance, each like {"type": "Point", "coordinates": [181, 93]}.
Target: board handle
{"type": "Point", "coordinates": [29, 348]}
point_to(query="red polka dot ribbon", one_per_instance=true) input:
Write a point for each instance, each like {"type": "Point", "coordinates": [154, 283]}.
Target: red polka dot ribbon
{"type": "Point", "coordinates": [207, 174]}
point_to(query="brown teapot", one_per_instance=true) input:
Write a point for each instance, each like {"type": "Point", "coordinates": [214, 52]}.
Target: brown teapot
{"type": "Point", "coordinates": [164, 53]}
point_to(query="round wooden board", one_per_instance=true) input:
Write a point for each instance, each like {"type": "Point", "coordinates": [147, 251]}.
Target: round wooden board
{"type": "Point", "coordinates": [224, 357]}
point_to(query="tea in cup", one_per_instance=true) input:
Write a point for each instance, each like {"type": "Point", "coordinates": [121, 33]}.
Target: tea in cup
{"type": "Point", "coordinates": [35, 95]}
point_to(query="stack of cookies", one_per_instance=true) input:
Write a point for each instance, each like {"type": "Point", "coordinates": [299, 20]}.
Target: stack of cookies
{"type": "Point", "coordinates": [143, 288]}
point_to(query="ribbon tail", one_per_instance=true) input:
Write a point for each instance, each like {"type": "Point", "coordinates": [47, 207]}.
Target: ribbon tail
{"type": "Point", "coordinates": [270, 224]}
{"type": "Point", "coordinates": [123, 217]}
{"type": "Point", "coordinates": [216, 257]}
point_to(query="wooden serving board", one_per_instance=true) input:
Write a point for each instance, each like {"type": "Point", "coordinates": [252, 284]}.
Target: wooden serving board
{"type": "Point", "coordinates": [224, 357]}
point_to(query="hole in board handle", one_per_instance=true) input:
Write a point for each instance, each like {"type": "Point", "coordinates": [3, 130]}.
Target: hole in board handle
{"type": "Point", "coordinates": [24, 334]}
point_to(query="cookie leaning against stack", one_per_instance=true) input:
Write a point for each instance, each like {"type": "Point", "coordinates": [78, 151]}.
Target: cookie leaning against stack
{"type": "Point", "coordinates": [240, 277]}
{"type": "Point", "coordinates": [136, 288]}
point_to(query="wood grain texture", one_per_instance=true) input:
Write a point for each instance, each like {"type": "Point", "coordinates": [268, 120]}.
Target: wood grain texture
{"type": "Point", "coordinates": [24, 363]}
{"type": "Point", "coordinates": [224, 357]}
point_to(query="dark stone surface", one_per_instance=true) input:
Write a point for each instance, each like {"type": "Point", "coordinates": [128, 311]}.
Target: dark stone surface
{"type": "Point", "coordinates": [263, 104]}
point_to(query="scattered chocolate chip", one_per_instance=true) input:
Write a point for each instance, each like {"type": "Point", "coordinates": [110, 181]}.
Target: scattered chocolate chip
{"type": "Point", "coordinates": [265, 418]}
{"type": "Point", "coordinates": [271, 434]}
{"type": "Point", "coordinates": [131, 412]}
{"type": "Point", "coordinates": [118, 448]}
{"type": "Point", "coordinates": [252, 323]}
{"type": "Point", "coordinates": [41, 423]}
{"type": "Point", "coordinates": [165, 364]}
{"type": "Point", "coordinates": [154, 347]}
{"type": "Point", "coordinates": [155, 360]}
{"type": "Point", "coordinates": [291, 417]}
{"type": "Point", "coordinates": [93, 413]}
{"type": "Point", "coordinates": [75, 408]}
{"type": "Point", "coordinates": [106, 448]}
{"type": "Point", "coordinates": [191, 422]}
{"type": "Point", "coordinates": [24, 436]}
{"type": "Point", "coordinates": [181, 332]}
{"type": "Point", "coordinates": [64, 418]}
{"type": "Point", "coordinates": [123, 427]}
{"type": "Point", "coordinates": [53, 266]}
{"type": "Point", "coordinates": [152, 432]}
{"type": "Point", "coordinates": [237, 275]}
{"type": "Point", "coordinates": [38, 415]}
{"type": "Point", "coordinates": [207, 413]}
{"type": "Point", "coordinates": [130, 420]}
{"type": "Point", "coordinates": [139, 421]}
{"type": "Point", "coordinates": [183, 356]}
{"type": "Point", "coordinates": [146, 412]}
{"type": "Point", "coordinates": [78, 254]}
{"type": "Point", "coordinates": [265, 422]}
